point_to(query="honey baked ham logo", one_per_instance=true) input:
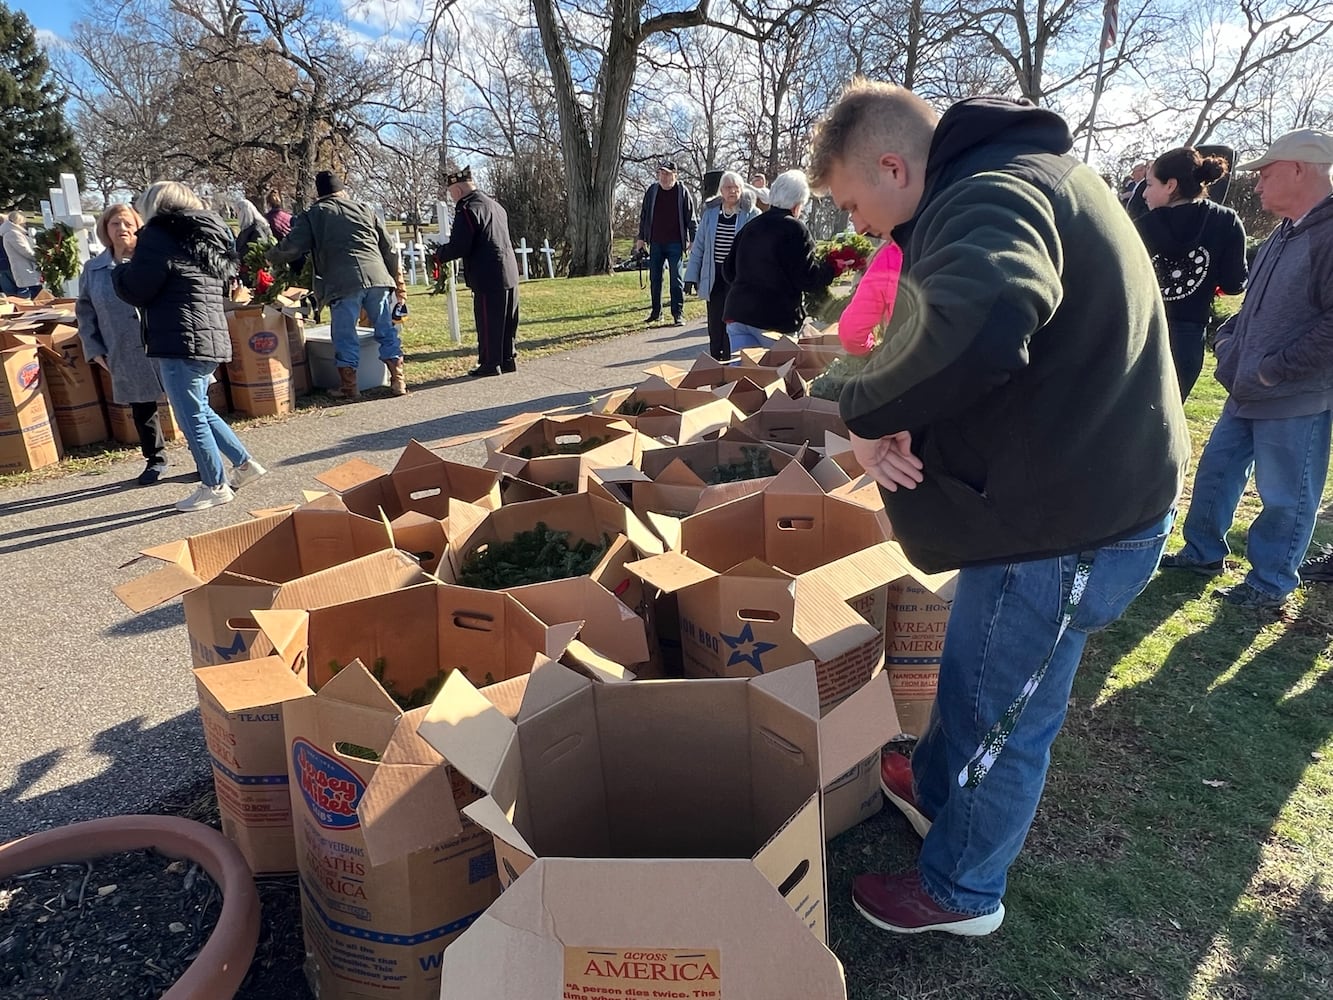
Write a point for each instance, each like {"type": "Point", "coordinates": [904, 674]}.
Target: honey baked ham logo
{"type": "Point", "coordinates": [331, 791]}
{"type": "Point", "coordinates": [264, 342]}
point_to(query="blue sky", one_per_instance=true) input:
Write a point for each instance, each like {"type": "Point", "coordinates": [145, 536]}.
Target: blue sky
{"type": "Point", "coordinates": [50, 15]}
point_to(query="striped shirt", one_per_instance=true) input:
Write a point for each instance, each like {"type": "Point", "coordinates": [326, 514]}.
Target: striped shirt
{"type": "Point", "coordinates": [726, 233]}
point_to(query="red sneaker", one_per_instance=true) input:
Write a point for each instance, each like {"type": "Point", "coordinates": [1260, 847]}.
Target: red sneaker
{"type": "Point", "coordinates": [899, 903]}
{"type": "Point", "coordinates": [895, 777]}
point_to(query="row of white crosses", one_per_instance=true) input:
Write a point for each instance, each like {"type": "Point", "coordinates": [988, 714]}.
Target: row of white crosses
{"type": "Point", "coordinates": [523, 250]}
{"type": "Point", "coordinates": [65, 204]}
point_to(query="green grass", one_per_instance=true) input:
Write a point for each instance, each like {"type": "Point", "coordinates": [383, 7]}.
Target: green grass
{"type": "Point", "coordinates": [1184, 844]}
{"type": "Point", "coordinates": [554, 316]}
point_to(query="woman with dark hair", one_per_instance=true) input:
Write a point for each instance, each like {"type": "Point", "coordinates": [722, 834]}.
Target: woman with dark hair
{"type": "Point", "coordinates": [1197, 249]}
{"type": "Point", "coordinates": [177, 276]}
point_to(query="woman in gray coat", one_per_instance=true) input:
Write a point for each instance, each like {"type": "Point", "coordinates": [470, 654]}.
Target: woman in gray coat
{"type": "Point", "coordinates": [109, 329]}
{"type": "Point", "coordinates": [722, 218]}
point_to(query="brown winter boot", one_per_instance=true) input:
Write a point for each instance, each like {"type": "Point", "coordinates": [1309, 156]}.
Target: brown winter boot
{"type": "Point", "coordinates": [397, 380]}
{"type": "Point", "coordinates": [348, 389]}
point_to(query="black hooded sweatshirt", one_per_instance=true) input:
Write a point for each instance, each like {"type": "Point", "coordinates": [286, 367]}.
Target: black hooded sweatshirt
{"type": "Point", "coordinates": [1196, 247]}
{"type": "Point", "coordinates": [177, 279]}
{"type": "Point", "coordinates": [1027, 354]}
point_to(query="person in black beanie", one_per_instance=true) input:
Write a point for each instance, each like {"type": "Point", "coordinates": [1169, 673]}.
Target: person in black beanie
{"type": "Point", "coordinates": [479, 237]}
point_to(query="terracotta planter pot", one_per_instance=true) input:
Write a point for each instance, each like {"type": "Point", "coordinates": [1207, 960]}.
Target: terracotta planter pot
{"type": "Point", "coordinates": [218, 969]}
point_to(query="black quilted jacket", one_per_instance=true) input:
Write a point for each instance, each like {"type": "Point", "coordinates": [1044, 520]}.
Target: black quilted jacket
{"type": "Point", "coordinates": [177, 279]}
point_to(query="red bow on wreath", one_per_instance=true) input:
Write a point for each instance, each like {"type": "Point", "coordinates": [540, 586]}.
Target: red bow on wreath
{"type": "Point", "coordinates": [263, 281]}
{"type": "Point", "coordinates": [847, 258]}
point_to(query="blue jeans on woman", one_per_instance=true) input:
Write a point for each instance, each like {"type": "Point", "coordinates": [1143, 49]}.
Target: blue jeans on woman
{"type": "Point", "coordinates": [1289, 459]}
{"type": "Point", "coordinates": [343, 316]}
{"type": "Point", "coordinates": [1005, 621]}
{"type": "Point", "coordinates": [185, 382]}
{"type": "Point", "coordinates": [744, 335]}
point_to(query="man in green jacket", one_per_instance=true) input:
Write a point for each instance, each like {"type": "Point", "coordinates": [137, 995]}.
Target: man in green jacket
{"type": "Point", "coordinates": [1023, 421]}
{"type": "Point", "coordinates": [355, 269]}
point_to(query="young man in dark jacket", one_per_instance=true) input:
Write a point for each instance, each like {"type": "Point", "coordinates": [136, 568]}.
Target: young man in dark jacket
{"type": "Point", "coordinates": [356, 269]}
{"type": "Point", "coordinates": [479, 238]}
{"type": "Point", "coordinates": [1023, 421]}
{"type": "Point", "coordinates": [1275, 358]}
{"type": "Point", "coordinates": [666, 227]}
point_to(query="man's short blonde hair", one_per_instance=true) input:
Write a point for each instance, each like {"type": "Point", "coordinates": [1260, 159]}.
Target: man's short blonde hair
{"type": "Point", "coordinates": [869, 120]}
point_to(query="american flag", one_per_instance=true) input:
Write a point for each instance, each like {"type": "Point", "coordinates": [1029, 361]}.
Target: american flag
{"type": "Point", "coordinates": [1110, 15]}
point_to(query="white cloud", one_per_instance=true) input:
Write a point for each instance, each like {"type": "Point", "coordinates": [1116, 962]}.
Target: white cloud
{"type": "Point", "coordinates": [48, 39]}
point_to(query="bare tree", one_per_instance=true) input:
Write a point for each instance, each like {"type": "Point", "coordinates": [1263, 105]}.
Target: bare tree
{"type": "Point", "coordinates": [1229, 76]}
{"type": "Point", "coordinates": [592, 80]}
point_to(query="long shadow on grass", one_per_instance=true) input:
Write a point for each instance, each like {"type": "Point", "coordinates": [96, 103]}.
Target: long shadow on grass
{"type": "Point", "coordinates": [1153, 830]}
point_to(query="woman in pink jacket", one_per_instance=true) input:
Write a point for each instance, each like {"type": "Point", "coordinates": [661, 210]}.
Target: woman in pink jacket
{"type": "Point", "coordinates": [872, 302]}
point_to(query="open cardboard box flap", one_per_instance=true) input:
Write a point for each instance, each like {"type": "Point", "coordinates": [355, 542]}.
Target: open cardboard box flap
{"type": "Point", "coordinates": [408, 804]}
{"type": "Point", "coordinates": [564, 913]}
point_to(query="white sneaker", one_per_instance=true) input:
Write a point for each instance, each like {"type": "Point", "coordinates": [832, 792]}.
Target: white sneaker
{"type": "Point", "coordinates": [246, 473]}
{"type": "Point", "coordinates": [207, 496]}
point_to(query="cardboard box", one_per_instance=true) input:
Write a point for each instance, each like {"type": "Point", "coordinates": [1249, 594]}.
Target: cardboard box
{"type": "Point", "coordinates": [660, 410]}
{"type": "Point", "coordinates": [414, 497]}
{"type": "Point", "coordinates": [783, 420]}
{"type": "Point", "coordinates": [260, 370]}
{"type": "Point", "coordinates": [241, 707]}
{"type": "Point", "coordinates": [224, 575]}
{"type": "Point", "coordinates": [75, 393]}
{"type": "Point", "coordinates": [420, 481]}
{"type": "Point", "coordinates": [594, 440]}
{"type": "Point", "coordinates": [748, 387]}
{"type": "Point", "coordinates": [914, 640]}
{"type": "Point", "coordinates": [586, 518]}
{"type": "Point", "coordinates": [412, 635]}
{"type": "Point", "coordinates": [566, 922]}
{"type": "Point", "coordinates": [295, 323]}
{"type": "Point", "coordinates": [376, 923]}
{"type": "Point", "coordinates": [681, 477]}
{"type": "Point", "coordinates": [120, 417]}
{"type": "Point", "coordinates": [726, 769]}
{"type": "Point", "coordinates": [28, 437]}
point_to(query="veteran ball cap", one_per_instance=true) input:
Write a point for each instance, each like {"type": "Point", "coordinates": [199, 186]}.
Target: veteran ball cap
{"type": "Point", "coordinates": [1304, 145]}
{"type": "Point", "coordinates": [453, 177]}
{"type": "Point", "coordinates": [667, 165]}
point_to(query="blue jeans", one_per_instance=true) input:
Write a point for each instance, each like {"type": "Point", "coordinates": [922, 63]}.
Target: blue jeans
{"type": "Point", "coordinates": [744, 335]}
{"type": "Point", "coordinates": [343, 315]}
{"type": "Point", "coordinates": [668, 255]}
{"type": "Point", "coordinates": [1289, 459]}
{"type": "Point", "coordinates": [1004, 622]}
{"type": "Point", "coordinates": [186, 385]}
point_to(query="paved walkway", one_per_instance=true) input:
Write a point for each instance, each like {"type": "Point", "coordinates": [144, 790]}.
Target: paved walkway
{"type": "Point", "coordinates": [98, 706]}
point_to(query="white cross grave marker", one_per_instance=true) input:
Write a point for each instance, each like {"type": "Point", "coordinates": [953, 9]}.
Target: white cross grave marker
{"type": "Point", "coordinates": [67, 207]}
{"type": "Point", "coordinates": [524, 249]}
{"type": "Point", "coordinates": [550, 256]}
{"type": "Point", "coordinates": [445, 220]}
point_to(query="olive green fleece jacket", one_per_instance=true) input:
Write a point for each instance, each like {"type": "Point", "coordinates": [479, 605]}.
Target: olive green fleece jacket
{"type": "Point", "coordinates": [1027, 354]}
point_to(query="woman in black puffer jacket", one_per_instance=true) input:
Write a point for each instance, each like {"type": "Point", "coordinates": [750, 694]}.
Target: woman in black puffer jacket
{"type": "Point", "coordinates": [177, 278]}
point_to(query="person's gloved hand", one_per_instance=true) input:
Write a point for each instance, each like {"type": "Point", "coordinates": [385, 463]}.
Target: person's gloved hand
{"type": "Point", "coordinates": [691, 288]}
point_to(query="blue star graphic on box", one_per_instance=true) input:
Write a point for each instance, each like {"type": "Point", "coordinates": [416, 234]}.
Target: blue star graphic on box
{"type": "Point", "coordinates": [739, 643]}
